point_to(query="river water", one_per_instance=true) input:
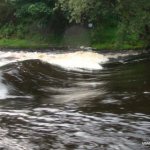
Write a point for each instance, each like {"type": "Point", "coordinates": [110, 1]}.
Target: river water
{"type": "Point", "coordinates": [71, 102]}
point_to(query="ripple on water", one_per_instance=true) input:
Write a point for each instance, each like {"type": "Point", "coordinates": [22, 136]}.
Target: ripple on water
{"type": "Point", "coordinates": [60, 129]}
{"type": "Point", "coordinates": [68, 108]}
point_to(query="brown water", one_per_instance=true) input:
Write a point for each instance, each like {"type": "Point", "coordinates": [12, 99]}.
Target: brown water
{"type": "Point", "coordinates": [44, 107]}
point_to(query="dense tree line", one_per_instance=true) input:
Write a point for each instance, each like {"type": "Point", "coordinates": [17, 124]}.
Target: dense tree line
{"type": "Point", "coordinates": [130, 18]}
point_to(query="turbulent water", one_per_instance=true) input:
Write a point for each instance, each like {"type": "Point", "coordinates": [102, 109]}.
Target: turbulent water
{"type": "Point", "coordinates": [74, 101]}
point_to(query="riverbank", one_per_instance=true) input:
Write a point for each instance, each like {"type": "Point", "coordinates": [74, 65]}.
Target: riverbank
{"type": "Point", "coordinates": [106, 38]}
{"type": "Point", "coordinates": [39, 44]}
{"type": "Point", "coordinates": [23, 43]}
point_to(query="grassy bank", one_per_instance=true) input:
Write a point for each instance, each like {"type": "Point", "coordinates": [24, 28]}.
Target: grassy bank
{"type": "Point", "coordinates": [112, 46]}
{"type": "Point", "coordinates": [102, 38]}
{"type": "Point", "coordinates": [108, 38]}
{"type": "Point", "coordinates": [25, 43]}
{"type": "Point", "coordinates": [28, 43]}
{"type": "Point", "coordinates": [21, 43]}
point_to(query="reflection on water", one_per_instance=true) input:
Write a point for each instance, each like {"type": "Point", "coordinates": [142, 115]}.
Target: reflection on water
{"type": "Point", "coordinates": [45, 107]}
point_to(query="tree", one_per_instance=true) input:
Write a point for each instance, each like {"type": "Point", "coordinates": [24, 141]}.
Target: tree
{"type": "Point", "coordinates": [80, 11]}
{"type": "Point", "coordinates": [135, 18]}
{"type": "Point", "coordinates": [6, 12]}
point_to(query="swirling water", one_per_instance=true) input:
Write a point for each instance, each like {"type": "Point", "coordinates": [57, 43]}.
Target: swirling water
{"type": "Point", "coordinates": [44, 106]}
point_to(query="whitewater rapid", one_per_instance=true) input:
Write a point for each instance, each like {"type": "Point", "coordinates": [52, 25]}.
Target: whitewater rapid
{"type": "Point", "coordinates": [84, 61]}
{"type": "Point", "coordinates": [79, 60]}
{"type": "Point", "coordinates": [72, 60]}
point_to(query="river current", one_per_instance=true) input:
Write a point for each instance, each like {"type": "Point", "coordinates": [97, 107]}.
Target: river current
{"type": "Point", "coordinates": [74, 101]}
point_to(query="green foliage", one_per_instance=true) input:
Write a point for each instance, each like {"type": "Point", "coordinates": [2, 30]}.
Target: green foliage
{"type": "Point", "coordinates": [7, 30]}
{"type": "Point", "coordinates": [10, 30]}
{"type": "Point", "coordinates": [6, 12]}
{"type": "Point", "coordinates": [134, 19]}
{"type": "Point", "coordinates": [34, 10]}
{"type": "Point", "coordinates": [104, 34]}
{"type": "Point", "coordinates": [74, 9]}
{"type": "Point", "coordinates": [117, 22]}
{"type": "Point", "coordinates": [21, 31]}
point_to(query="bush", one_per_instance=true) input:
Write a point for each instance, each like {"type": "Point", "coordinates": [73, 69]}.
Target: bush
{"type": "Point", "coordinates": [21, 31]}
{"type": "Point", "coordinates": [7, 31]}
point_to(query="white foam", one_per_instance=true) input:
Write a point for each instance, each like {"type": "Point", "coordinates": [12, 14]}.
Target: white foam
{"type": "Point", "coordinates": [74, 60]}
{"type": "Point", "coordinates": [3, 90]}
{"type": "Point", "coordinates": [13, 97]}
{"type": "Point", "coordinates": [146, 92]}
{"type": "Point", "coordinates": [82, 60]}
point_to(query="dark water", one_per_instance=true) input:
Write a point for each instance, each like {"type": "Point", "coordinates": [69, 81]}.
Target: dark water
{"type": "Point", "coordinates": [68, 110]}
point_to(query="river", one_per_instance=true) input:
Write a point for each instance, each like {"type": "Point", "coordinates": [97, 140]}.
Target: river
{"type": "Point", "coordinates": [71, 102]}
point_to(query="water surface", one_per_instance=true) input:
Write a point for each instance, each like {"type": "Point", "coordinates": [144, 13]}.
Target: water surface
{"type": "Point", "coordinates": [43, 106]}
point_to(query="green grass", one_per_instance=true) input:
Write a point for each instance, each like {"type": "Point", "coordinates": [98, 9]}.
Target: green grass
{"type": "Point", "coordinates": [38, 41]}
{"type": "Point", "coordinates": [112, 46]}
{"type": "Point", "coordinates": [20, 43]}
{"type": "Point", "coordinates": [26, 43]}
{"type": "Point", "coordinates": [45, 42]}
{"type": "Point", "coordinates": [107, 38]}
{"type": "Point", "coordinates": [102, 38]}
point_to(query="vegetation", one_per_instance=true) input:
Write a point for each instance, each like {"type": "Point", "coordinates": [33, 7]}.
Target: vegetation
{"type": "Point", "coordinates": [111, 24]}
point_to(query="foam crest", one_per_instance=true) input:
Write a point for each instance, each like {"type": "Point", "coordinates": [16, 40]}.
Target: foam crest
{"type": "Point", "coordinates": [74, 60]}
{"type": "Point", "coordinates": [81, 60]}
